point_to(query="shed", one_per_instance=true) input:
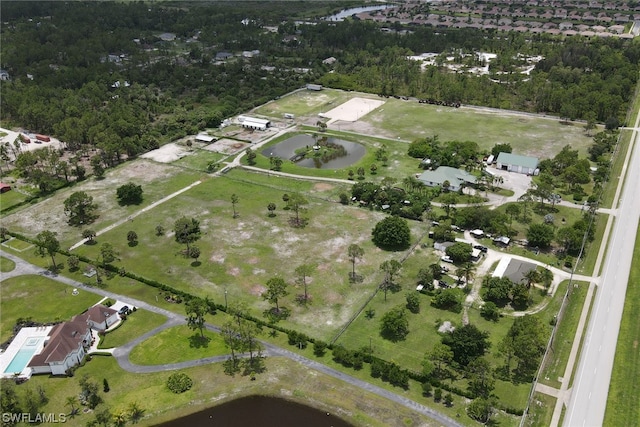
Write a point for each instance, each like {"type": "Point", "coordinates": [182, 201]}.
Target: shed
{"type": "Point", "coordinates": [4, 187]}
{"type": "Point", "coordinates": [203, 137]}
{"type": "Point", "coordinates": [43, 138]}
{"type": "Point", "coordinates": [516, 163]}
{"type": "Point", "coordinates": [254, 122]}
{"type": "Point", "coordinates": [315, 87]}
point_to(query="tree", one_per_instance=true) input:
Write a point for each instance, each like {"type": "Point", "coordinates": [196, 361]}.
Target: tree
{"type": "Point", "coordinates": [74, 262]}
{"type": "Point", "coordinates": [467, 343]}
{"type": "Point", "coordinates": [490, 311]}
{"type": "Point", "coordinates": [394, 324]}
{"type": "Point", "coordinates": [276, 289]}
{"type": "Point", "coordinates": [466, 270]}
{"type": "Point", "coordinates": [105, 385]}
{"type": "Point", "coordinates": [527, 341]}
{"type": "Point", "coordinates": [234, 202]}
{"type": "Point", "coordinates": [513, 210]}
{"type": "Point", "coordinates": [47, 244]}
{"type": "Point", "coordinates": [441, 355]}
{"type": "Point", "coordinates": [459, 252]}
{"type": "Point", "coordinates": [251, 156]}
{"type": "Point", "coordinates": [448, 399]}
{"type": "Point", "coordinates": [97, 166]}
{"type": "Point", "coordinates": [390, 269]}
{"type": "Point", "coordinates": [129, 194]}
{"type": "Point", "coordinates": [90, 235]}
{"type": "Point", "coordinates": [187, 231]}
{"type": "Point", "coordinates": [373, 168]}
{"type": "Point", "coordinates": [179, 382]}
{"type": "Point", "coordinates": [480, 410]}
{"type": "Point", "coordinates": [501, 148]}
{"type": "Point", "coordinates": [196, 309]}
{"type": "Point", "coordinates": [271, 207]}
{"type": "Point", "coordinates": [392, 233]}
{"type": "Point", "coordinates": [132, 238]}
{"type": "Point", "coordinates": [481, 382]}
{"type": "Point", "coordinates": [135, 412]}
{"type": "Point", "coordinates": [159, 230]}
{"type": "Point", "coordinates": [303, 271]}
{"type": "Point", "coordinates": [360, 172]}
{"type": "Point", "coordinates": [108, 254]}
{"type": "Point", "coordinates": [413, 302]}
{"type": "Point", "coordinates": [296, 203]}
{"type": "Point", "coordinates": [89, 392]}
{"type": "Point", "coordinates": [448, 299]}
{"type": "Point", "coordinates": [540, 235]}
{"type": "Point", "coordinates": [354, 253]}
{"type": "Point", "coordinates": [194, 252]}
{"type": "Point", "coordinates": [80, 209]}
{"type": "Point", "coordinates": [72, 402]}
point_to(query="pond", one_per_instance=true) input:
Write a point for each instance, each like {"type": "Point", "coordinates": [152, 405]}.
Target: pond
{"type": "Point", "coordinates": [259, 411]}
{"type": "Point", "coordinates": [333, 153]}
{"type": "Point", "coordinates": [354, 10]}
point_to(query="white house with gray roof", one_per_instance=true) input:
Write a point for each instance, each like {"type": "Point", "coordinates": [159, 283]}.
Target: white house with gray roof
{"type": "Point", "coordinates": [516, 163]}
{"type": "Point", "coordinates": [456, 177]}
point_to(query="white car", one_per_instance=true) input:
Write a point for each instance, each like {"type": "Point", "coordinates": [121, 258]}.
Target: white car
{"type": "Point", "coordinates": [446, 258]}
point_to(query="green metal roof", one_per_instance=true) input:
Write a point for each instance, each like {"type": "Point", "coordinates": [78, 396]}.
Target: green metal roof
{"type": "Point", "coordinates": [517, 160]}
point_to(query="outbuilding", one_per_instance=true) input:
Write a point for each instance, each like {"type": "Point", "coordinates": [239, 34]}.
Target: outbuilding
{"type": "Point", "coordinates": [315, 87]}
{"type": "Point", "coordinates": [516, 163]}
{"type": "Point", "coordinates": [254, 123]}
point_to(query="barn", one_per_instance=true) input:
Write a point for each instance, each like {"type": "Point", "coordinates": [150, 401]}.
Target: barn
{"type": "Point", "coordinates": [516, 163]}
{"type": "Point", "coordinates": [254, 123]}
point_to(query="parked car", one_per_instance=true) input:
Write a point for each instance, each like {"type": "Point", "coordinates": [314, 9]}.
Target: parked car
{"type": "Point", "coordinates": [442, 284]}
{"type": "Point", "coordinates": [481, 248]}
{"type": "Point", "coordinates": [447, 258]}
{"type": "Point", "coordinates": [124, 310]}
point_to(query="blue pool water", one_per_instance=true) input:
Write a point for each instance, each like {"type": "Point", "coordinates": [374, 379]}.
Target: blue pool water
{"type": "Point", "coordinates": [23, 356]}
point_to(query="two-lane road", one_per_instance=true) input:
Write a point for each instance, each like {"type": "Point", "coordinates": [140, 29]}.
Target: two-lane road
{"type": "Point", "coordinates": [591, 384]}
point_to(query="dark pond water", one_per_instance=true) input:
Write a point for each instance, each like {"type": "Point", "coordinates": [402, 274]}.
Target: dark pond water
{"type": "Point", "coordinates": [286, 150]}
{"type": "Point", "coordinates": [259, 411]}
{"type": "Point", "coordinates": [354, 10]}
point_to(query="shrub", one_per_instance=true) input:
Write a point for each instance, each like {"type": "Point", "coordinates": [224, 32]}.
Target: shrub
{"type": "Point", "coordinates": [179, 382]}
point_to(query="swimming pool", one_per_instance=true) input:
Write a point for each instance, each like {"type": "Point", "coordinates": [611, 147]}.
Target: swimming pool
{"type": "Point", "coordinates": [24, 355]}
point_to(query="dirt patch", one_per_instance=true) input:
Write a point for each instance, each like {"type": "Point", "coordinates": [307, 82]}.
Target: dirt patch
{"type": "Point", "coordinates": [257, 290]}
{"type": "Point", "coordinates": [353, 109]}
{"type": "Point", "coordinates": [322, 186]}
{"type": "Point", "coordinates": [235, 271]}
{"type": "Point", "coordinates": [253, 260]}
{"type": "Point", "coordinates": [635, 344]}
{"type": "Point", "coordinates": [219, 258]}
{"type": "Point", "coordinates": [167, 153]}
{"type": "Point", "coordinates": [226, 146]}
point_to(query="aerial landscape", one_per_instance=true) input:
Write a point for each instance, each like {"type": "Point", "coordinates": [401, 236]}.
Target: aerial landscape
{"type": "Point", "coordinates": [346, 213]}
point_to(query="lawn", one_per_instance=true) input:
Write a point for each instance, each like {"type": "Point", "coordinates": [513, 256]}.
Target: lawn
{"type": "Point", "coordinates": [11, 198]}
{"type": "Point", "coordinates": [54, 302]}
{"type": "Point", "coordinates": [238, 255]}
{"type": "Point", "coordinates": [541, 410]}
{"type": "Point", "coordinates": [157, 181]}
{"type": "Point", "coordinates": [137, 323]}
{"type": "Point", "coordinates": [624, 389]}
{"type": "Point", "coordinates": [565, 333]}
{"type": "Point", "coordinates": [199, 159]}
{"type": "Point", "coordinates": [178, 344]}
{"type": "Point", "coordinates": [212, 387]}
{"type": "Point", "coordinates": [6, 265]}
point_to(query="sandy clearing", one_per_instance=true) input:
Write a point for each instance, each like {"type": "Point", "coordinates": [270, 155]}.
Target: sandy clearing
{"type": "Point", "coordinates": [353, 109]}
{"type": "Point", "coordinates": [226, 146]}
{"type": "Point", "coordinates": [167, 153]}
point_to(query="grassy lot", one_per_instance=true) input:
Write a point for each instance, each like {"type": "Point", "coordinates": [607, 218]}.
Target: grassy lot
{"type": "Point", "coordinates": [541, 410]}
{"type": "Point", "coordinates": [18, 245]}
{"type": "Point", "coordinates": [20, 296]}
{"type": "Point", "coordinates": [6, 265]}
{"type": "Point", "coordinates": [624, 390]}
{"type": "Point", "coordinates": [609, 190]}
{"type": "Point", "coordinates": [137, 323]}
{"type": "Point", "coordinates": [565, 333]}
{"type": "Point", "coordinates": [212, 387]}
{"type": "Point", "coordinates": [157, 181]}
{"type": "Point", "coordinates": [178, 344]}
{"type": "Point", "coordinates": [11, 198]}
{"type": "Point", "coordinates": [199, 159]}
{"type": "Point", "coordinates": [239, 255]}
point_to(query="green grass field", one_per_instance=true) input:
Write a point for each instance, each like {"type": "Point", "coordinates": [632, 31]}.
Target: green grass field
{"type": "Point", "coordinates": [178, 344]}
{"type": "Point", "coordinates": [6, 265]}
{"type": "Point", "coordinates": [54, 301]}
{"type": "Point", "coordinates": [541, 410]}
{"type": "Point", "coordinates": [11, 198]}
{"type": "Point", "coordinates": [137, 323]}
{"type": "Point", "coordinates": [624, 390]}
{"type": "Point", "coordinates": [559, 355]}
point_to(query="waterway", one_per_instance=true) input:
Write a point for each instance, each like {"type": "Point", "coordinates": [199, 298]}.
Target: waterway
{"type": "Point", "coordinates": [260, 411]}
{"type": "Point", "coordinates": [346, 13]}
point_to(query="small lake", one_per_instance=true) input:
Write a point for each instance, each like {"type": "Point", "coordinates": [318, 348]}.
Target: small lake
{"type": "Point", "coordinates": [346, 13]}
{"type": "Point", "coordinates": [259, 411]}
{"type": "Point", "coordinates": [287, 150]}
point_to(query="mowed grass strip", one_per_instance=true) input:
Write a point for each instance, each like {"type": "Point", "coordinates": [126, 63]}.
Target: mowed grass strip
{"type": "Point", "coordinates": [6, 265]}
{"type": "Point", "coordinates": [565, 333]}
{"type": "Point", "coordinates": [41, 299]}
{"type": "Point", "coordinates": [137, 323]}
{"type": "Point", "coordinates": [178, 344]}
{"type": "Point", "coordinates": [624, 390]}
{"type": "Point", "coordinates": [541, 410]}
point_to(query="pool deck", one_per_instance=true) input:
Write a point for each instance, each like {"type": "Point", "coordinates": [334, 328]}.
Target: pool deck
{"type": "Point", "coordinates": [18, 342]}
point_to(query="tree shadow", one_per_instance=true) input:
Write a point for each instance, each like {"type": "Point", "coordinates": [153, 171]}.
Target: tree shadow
{"type": "Point", "coordinates": [133, 244]}
{"type": "Point", "coordinates": [91, 242]}
{"type": "Point", "coordinates": [196, 264]}
{"type": "Point", "coordinates": [198, 341]}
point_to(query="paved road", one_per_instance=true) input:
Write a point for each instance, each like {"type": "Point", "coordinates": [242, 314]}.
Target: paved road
{"type": "Point", "coordinates": [173, 319]}
{"type": "Point", "coordinates": [591, 385]}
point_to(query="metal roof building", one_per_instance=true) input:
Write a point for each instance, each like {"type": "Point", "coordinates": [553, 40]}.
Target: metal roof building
{"type": "Point", "coordinates": [516, 163]}
{"type": "Point", "coordinates": [456, 177]}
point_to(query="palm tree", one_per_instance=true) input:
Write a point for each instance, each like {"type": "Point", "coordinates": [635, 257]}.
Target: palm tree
{"type": "Point", "coordinates": [135, 412]}
{"type": "Point", "coordinates": [72, 401]}
{"type": "Point", "coordinates": [546, 277]}
{"type": "Point", "coordinates": [531, 277]}
{"type": "Point", "coordinates": [234, 201]}
{"type": "Point", "coordinates": [466, 270]}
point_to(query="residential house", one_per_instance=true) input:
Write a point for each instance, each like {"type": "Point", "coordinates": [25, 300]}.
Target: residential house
{"type": "Point", "coordinates": [457, 178]}
{"type": "Point", "coordinates": [65, 347]}
{"type": "Point", "coordinates": [99, 317]}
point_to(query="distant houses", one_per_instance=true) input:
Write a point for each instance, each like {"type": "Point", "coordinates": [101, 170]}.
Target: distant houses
{"type": "Point", "coordinates": [516, 163]}
{"type": "Point", "coordinates": [457, 178]}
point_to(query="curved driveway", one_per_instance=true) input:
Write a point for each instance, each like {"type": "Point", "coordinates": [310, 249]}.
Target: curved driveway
{"type": "Point", "coordinates": [173, 319]}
